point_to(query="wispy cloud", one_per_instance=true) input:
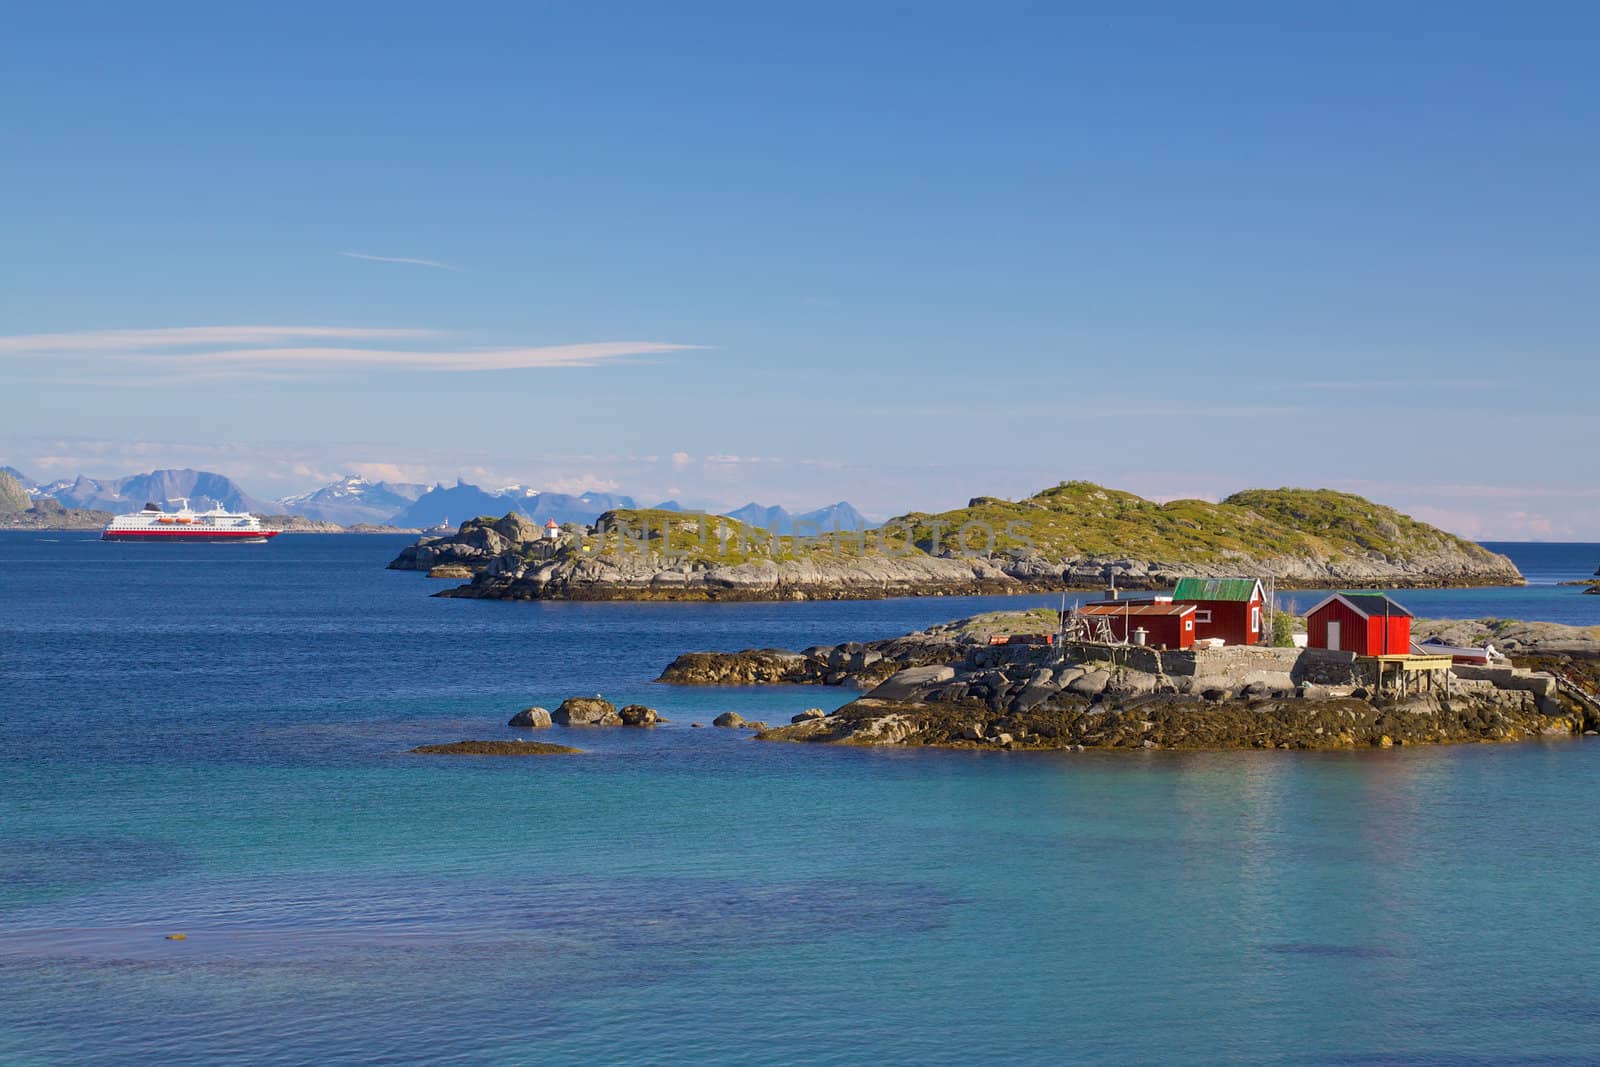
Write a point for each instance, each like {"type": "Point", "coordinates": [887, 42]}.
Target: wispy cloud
{"type": "Point", "coordinates": [403, 259]}
{"type": "Point", "coordinates": [1055, 412]}
{"type": "Point", "coordinates": [216, 353]}
{"type": "Point", "coordinates": [1377, 385]}
{"type": "Point", "coordinates": [466, 359]}
{"type": "Point", "coordinates": [89, 342]}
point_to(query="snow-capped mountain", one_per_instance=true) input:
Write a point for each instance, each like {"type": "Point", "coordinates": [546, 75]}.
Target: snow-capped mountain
{"type": "Point", "coordinates": [354, 499]}
{"type": "Point", "coordinates": [464, 501]}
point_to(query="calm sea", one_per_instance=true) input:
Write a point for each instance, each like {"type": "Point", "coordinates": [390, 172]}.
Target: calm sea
{"type": "Point", "coordinates": [212, 739]}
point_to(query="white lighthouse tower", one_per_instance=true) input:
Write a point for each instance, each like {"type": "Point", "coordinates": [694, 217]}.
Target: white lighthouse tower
{"type": "Point", "coordinates": [552, 532]}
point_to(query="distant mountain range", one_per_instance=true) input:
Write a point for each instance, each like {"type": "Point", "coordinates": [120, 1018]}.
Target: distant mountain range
{"type": "Point", "coordinates": [465, 501]}
{"type": "Point", "coordinates": [353, 499]}
{"type": "Point", "coordinates": [840, 516]}
{"type": "Point", "coordinates": [203, 490]}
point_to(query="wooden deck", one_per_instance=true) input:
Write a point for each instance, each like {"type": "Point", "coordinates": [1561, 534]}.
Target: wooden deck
{"type": "Point", "coordinates": [1413, 662]}
{"type": "Point", "coordinates": [1405, 673]}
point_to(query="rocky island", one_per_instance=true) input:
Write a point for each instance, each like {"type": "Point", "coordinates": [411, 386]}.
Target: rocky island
{"type": "Point", "coordinates": [951, 686]}
{"type": "Point", "coordinates": [1074, 536]}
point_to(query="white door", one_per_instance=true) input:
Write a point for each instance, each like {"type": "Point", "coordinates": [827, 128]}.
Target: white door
{"type": "Point", "coordinates": [1333, 634]}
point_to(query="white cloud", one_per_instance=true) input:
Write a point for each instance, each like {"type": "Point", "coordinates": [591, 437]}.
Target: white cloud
{"type": "Point", "coordinates": [92, 342]}
{"type": "Point", "coordinates": [197, 354]}
{"type": "Point", "coordinates": [466, 359]}
{"type": "Point", "coordinates": [1372, 385]}
{"type": "Point", "coordinates": [388, 472]}
{"type": "Point", "coordinates": [403, 259]}
{"type": "Point", "coordinates": [1515, 525]}
{"type": "Point", "coordinates": [579, 484]}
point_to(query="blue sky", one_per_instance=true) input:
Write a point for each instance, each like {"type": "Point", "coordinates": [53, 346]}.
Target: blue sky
{"type": "Point", "coordinates": [900, 254]}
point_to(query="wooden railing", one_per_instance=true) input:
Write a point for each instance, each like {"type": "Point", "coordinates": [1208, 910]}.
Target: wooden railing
{"type": "Point", "coordinates": [1571, 688]}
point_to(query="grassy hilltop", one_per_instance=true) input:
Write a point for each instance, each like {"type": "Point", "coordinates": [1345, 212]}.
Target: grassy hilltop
{"type": "Point", "coordinates": [1071, 521]}
{"type": "Point", "coordinates": [1080, 519]}
{"type": "Point", "coordinates": [718, 539]}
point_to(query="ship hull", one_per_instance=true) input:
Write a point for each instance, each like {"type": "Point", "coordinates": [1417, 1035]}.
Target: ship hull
{"type": "Point", "coordinates": [191, 536]}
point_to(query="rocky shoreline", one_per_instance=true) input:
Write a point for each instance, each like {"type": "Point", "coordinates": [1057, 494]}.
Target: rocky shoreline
{"type": "Point", "coordinates": [1168, 722]}
{"type": "Point", "coordinates": [948, 687]}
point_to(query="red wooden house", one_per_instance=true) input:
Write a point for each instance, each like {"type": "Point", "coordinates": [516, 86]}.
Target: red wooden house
{"type": "Point", "coordinates": [1368, 624]}
{"type": "Point", "coordinates": [1229, 608]}
{"type": "Point", "coordinates": [1165, 625]}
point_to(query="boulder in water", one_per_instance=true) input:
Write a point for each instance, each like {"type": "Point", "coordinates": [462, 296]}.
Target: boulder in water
{"type": "Point", "coordinates": [587, 711]}
{"type": "Point", "coordinates": [531, 719]}
{"type": "Point", "coordinates": [639, 715]}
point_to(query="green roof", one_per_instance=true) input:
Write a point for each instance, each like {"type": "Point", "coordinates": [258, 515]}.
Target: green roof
{"type": "Point", "coordinates": [1240, 589]}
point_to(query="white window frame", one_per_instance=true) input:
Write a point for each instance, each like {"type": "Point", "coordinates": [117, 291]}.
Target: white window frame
{"type": "Point", "coordinates": [1202, 614]}
{"type": "Point", "coordinates": [1255, 619]}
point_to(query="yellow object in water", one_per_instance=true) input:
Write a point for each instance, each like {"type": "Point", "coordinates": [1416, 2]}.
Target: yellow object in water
{"type": "Point", "coordinates": [177, 937]}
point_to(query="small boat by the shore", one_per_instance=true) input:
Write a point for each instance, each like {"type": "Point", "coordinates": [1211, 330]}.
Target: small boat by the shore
{"type": "Point", "coordinates": [1464, 654]}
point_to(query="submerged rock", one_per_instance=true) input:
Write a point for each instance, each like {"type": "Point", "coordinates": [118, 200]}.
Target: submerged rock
{"type": "Point", "coordinates": [495, 748]}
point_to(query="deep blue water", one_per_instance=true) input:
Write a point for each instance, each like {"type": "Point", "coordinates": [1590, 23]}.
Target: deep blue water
{"type": "Point", "coordinates": [212, 739]}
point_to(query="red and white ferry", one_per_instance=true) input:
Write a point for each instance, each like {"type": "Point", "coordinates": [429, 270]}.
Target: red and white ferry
{"type": "Point", "coordinates": [153, 524]}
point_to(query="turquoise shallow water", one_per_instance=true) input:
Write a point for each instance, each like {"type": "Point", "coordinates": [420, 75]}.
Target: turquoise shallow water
{"type": "Point", "coordinates": [212, 739]}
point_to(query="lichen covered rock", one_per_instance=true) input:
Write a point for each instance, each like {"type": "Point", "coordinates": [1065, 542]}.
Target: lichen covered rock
{"type": "Point", "coordinates": [586, 711]}
{"type": "Point", "coordinates": [639, 715]}
{"type": "Point", "coordinates": [531, 719]}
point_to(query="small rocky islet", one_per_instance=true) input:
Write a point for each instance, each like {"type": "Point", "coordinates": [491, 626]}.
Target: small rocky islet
{"type": "Point", "coordinates": [950, 687]}
{"type": "Point", "coordinates": [1076, 535]}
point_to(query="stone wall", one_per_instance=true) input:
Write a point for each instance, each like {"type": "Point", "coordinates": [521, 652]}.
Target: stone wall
{"type": "Point", "coordinates": [1542, 685]}
{"type": "Point", "coordinates": [1229, 665]}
